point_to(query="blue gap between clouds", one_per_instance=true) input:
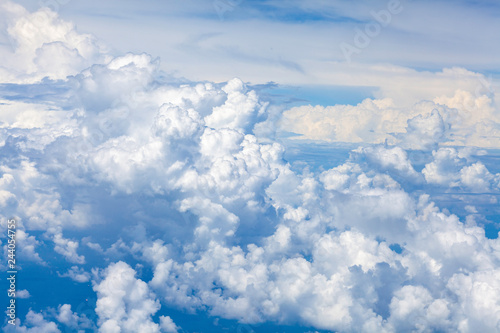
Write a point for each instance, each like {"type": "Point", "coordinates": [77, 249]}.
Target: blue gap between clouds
{"type": "Point", "coordinates": [324, 95]}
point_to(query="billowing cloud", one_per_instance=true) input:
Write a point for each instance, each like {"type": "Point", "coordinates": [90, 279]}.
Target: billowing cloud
{"type": "Point", "coordinates": [43, 45]}
{"type": "Point", "coordinates": [34, 323]}
{"type": "Point", "coordinates": [126, 303]}
{"type": "Point", "coordinates": [77, 274]}
{"type": "Point", "coordinates": [464, 118]}
{"type": "Point", "coordinates": [176, 196]}
{"type": "Point", "coordinates": [71, 320]}
{"type": "Point", "coordinates": [456, 169]}
{"type": "Point", "coordinates": [23, 293]}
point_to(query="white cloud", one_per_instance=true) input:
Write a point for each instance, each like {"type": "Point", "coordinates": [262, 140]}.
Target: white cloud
{"type": "Point", "coordinates": [443, 170]}
{"type": "Point", "coordinates": [45, 46]}
{"type": "Point", "coordinates": [256, 239]}
{"type": "Point", "coordinates": [73, 320]}
{"type": "Point", "coordinates": [34, 323]}
{"type": "Point", "coordinates": [478, 306]}
{"type": "Point", "coordinates": [167, 325]}
{"type": "Point", "coordinates": [477, 177]}
{"type": "Point", "coordinates": [369, 121]}
{"type": "Point", "coordinates": [426, 132]}
{"type": "Point", "coordinates": [68, 249]}
{"type": "Point", "coordinates": [27, 246]}
{"type": "Point", "coordinates": [239, 111]}
{"type": "Point", "coordinates": [413, 308]}
{"type": "Point", "coordinates": [23, 294]}
{"type": "Point", "coordinates": [125, 303]}
{"type": "Point", "coordinates": [464, 118]}
{"type": "Point", "coordinates": [66, 316]}
{"type": "Point", "coordinates": [393, 160]}
{"type": "Point", "coordinates": [176, 123]}
{"type": "Point", "coordinates": [203, 47]}
{"type": "Point", "coordinates": [77, 274]}
{"type": "Point", "coordinates": [456, 168]}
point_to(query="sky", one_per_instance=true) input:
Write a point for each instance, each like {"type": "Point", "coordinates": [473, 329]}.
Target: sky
{"type": "Point", "coordinates": [250, 166]}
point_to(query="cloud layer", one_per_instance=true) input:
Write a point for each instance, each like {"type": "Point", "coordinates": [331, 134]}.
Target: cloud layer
{"type": "Point", "coordinates": [467, 118]}
{"type": "Point", "coordinates": [116, 170]}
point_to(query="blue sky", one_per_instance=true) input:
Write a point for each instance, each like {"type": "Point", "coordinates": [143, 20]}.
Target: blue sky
{"type": "Point", "coordinates": [251, 166]}
{"type": "Point", "coordinates": [292, 41]}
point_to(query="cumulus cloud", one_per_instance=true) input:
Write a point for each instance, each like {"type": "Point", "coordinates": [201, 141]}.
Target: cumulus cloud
{"type": "Point", "coordinates": [44, 46]}
{"type": "Point", "coordinates": [68, 249]}
{"type": "Point", "coordinates": [167, 325]}
{"type": "Point", "coordinates": [457, 169]}
{"type": "Point", "coordinates": [425, 132]}
{"type": "Point", "coordinates": [126, 303]}
{"type": "Point", "coordinates": [178, 179]}
{"type": "Point", "coordinates": [255, 287]}
{"type": "Point", "coordinates": [394, 160]}
{"type": "Point", "coordinates": [240, 110]}
{"type": "Point", "coordinates": [413, 308]}
{"type": "Point", "coordinates": [443, 169]}
{"type": "Point", "coordinates": [464, 118]}
{"type": "Point", "coordinates": [77, 274]}
{"type": "Point", "coordinates": [33, 323]}
{"type": "Point", "coordinates": [27, 246]}
{"type": "Point", "coordinates": [478, 295]}
{"type": "Point", "coordinates": [388, 212]}
{"type": "Point", "coordinates": [23, 294]}
{"type": "Point", "coordinates": [72, 320]}
{"type": "Point", "coordinates": [63, 320]}
{"type": "Point", "coordinates": [369, 121]}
